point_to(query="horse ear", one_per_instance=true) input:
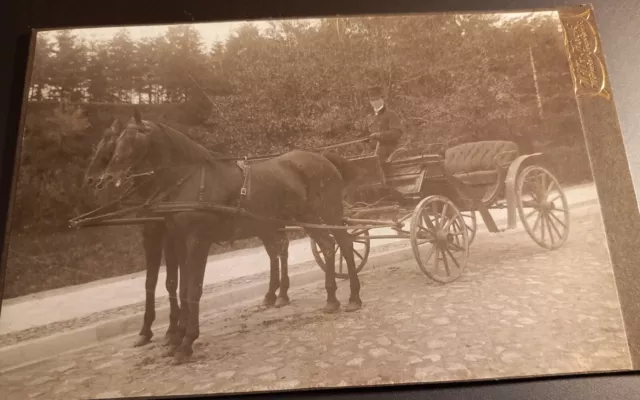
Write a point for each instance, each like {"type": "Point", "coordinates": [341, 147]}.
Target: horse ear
{"type": "Point", "coordinates": [136, 116]}
{"type": "Point", "coordinates": [116, 127]}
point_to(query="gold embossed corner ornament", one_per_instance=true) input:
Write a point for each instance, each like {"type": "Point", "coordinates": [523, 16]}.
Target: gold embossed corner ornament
{"type": "Point", "coordinates": [585, 56]}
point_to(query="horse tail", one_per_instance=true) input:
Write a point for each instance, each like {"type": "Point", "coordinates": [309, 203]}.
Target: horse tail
{"type": "Point", "coordinates": [347, 171]}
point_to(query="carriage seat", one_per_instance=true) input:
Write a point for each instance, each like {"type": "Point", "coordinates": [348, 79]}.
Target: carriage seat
{"type": "Point", "coordinates": [478, 163]}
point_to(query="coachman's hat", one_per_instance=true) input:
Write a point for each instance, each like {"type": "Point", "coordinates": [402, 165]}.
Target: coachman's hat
{"type": "Point", "coordinates": [375, 92]}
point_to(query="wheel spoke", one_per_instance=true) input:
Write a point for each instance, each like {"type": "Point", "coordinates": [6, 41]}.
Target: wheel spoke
{"type": "Point", "coordinates": [550, 222]}
{"type": "Point", "coordinates": [553, 242]}
{"type": "Point", "coordinates": [456, 238]}
{"type": "Point", "coordinates": [430, 253]}
{"type": "Point", "coordinates": [542, 225]}
{"type": "Point", "coordinates": [437, 261]}
{"type": "Point", "coordinates": [357, 253]}
{"type": "Point", "coordinates": [535, 224]}
{"type": "Point", "coordinates": [429, 233]}
{"type": "Point", "coordinates": [434, 209]}
{"type": "Point", "coordinates": [559, 221]}
{"type": "Point", "coordinates": [446, 264]}
{"type": "Point", "coordinates": [452, 257]}
{"type": "Point", "coordinates": [530, 214]}
{"type": "Point", "coordinates": [443, 215]}
{"type": "Point", "coordinates": [456, 247]}
{"type": "Point", "coordinates": [430, 226]}
{"type": "Point", "coordinates": [555, 198]}
{"type": "Point", "coordinates": [448, 224]}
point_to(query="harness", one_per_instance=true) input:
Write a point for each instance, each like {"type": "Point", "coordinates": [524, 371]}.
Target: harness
{"type": "Point", "coordinates": [245, 191]}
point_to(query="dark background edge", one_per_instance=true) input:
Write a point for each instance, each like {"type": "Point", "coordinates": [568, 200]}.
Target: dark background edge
{"type": "Point", "coordinates": [618, 30]}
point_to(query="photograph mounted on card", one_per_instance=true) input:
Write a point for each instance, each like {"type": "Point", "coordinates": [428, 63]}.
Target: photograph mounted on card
{"type": "Point", "coordinates": [326, 202]}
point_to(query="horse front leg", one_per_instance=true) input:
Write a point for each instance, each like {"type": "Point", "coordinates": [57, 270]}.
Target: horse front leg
{"type": "Point", "coordinates": [152, 239]}
{"type": "Point", "coordinates": [197, 254]}
{"type": "Point", "coordinates": [173, 260]}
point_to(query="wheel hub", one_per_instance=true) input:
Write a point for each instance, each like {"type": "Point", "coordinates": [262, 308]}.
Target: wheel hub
{"type": "Point", "coordinates": [547, 205]}
{"type": "Point", "coordinates": [443, 236]}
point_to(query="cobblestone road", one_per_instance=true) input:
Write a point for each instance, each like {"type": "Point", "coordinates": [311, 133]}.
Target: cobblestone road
{"type": "Point", "coordinates": [518, 310]}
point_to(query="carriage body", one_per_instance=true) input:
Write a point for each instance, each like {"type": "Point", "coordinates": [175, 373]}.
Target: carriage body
{"type": "Point", "coordinates": [463, 180]}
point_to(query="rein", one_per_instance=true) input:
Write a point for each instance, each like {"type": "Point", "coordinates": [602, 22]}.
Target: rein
{"type": "Point", "coordinates": [268, 156]}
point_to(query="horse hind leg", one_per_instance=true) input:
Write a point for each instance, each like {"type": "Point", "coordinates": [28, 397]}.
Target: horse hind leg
{"type": "Point", "coordinates": [271, 245]}
{"type": "Point", "coordinates": [327, 246]}
{"type": "Point", "coordinates": [283, 254]}
{"type": "Point", "coordinates": [346, 249]}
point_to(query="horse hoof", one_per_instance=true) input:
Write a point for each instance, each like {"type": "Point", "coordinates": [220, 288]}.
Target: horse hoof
{"type": "Point", "coordinates": [168, 340]}
{"type": "Point", "coordinates": [330, 308]}
{"type": "Point", "coordinates": [353, 306]}
{"type": "Point", "coordinates": [181, 357]}
{"type": "Point", "coordinates": [141, 341]}
{"type": "Point", "coordinates": [170, 352]}
{"type": "Point", "coordinates": [281, 302]}
{"type": "Point", "coordinates": [269, 302]}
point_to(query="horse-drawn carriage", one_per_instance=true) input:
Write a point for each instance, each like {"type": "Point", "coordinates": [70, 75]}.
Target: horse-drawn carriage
{"type": "Point", "coordinates": [191, 198]}
{"type": "Point", "coordinates": [453, 184]}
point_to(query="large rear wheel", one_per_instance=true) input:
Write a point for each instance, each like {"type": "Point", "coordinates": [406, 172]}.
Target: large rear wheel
{"type": "Point", "coordinates": [543, 207]}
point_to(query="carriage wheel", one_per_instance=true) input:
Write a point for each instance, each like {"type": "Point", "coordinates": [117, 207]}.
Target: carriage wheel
{"type": "Point", "coordinates": [361, 247]}
{"type": "Point", "coordinates": [543, 207]}
{"type": "Point", "coordinates": [439, 241]}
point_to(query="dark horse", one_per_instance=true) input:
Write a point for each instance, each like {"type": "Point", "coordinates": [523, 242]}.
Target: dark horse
{"type": "Point", "coordinates": [156, 239]}
{"type": "Point", "coordinates": [297, 186]}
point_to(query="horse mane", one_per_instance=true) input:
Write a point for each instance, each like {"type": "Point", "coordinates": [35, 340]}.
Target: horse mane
{"type": "Point", "coordinates": [186, 147]}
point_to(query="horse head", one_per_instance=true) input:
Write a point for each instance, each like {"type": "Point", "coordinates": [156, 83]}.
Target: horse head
{"type": "Point", "coordinates": [130, 147]}
{"type": "Point", "coordinates": [102, 155]}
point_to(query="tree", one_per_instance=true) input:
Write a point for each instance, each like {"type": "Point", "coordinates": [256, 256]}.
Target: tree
{"type": "Point", "coordinates": [121, 67]}
{"type": "Point", "coordinates": [68, 64]}
{"type": "Point", "coordinates": [98, 83]}
{"type": "Point", "coordinates": [41, 70]}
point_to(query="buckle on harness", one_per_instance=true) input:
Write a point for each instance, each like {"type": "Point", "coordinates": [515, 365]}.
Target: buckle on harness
{"type": "Point", "coordinates": [243, 191]}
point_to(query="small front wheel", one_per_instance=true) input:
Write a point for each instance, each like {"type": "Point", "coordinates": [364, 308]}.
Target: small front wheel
{"type": "Point", "coordinates": [439, 239]}
{"type": "Point", "coordinates": [361, 247]}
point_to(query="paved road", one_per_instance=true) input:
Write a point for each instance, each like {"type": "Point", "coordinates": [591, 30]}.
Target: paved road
{"type": "Point", "coordinates": [518, 310]}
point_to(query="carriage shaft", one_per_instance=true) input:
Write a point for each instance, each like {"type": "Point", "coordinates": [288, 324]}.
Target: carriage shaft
{"type": "Point", "coordinates": [121, 221]}
{"type": "Point", "coordinates": [376, 222]}
{"type": "Point", "coordinates": [376, 210]}
{"type": "Point", "coordinates": [398, 236]}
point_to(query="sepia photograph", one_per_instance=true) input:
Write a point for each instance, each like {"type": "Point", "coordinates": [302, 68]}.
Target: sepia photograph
{"type": "Point", "coordinates": [270, 205]}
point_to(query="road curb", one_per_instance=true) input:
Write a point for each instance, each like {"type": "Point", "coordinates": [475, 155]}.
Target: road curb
{"type": "Point", "coordinates": [33, 351]}
{"type": "Point", "coordinates": [27, 353]}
